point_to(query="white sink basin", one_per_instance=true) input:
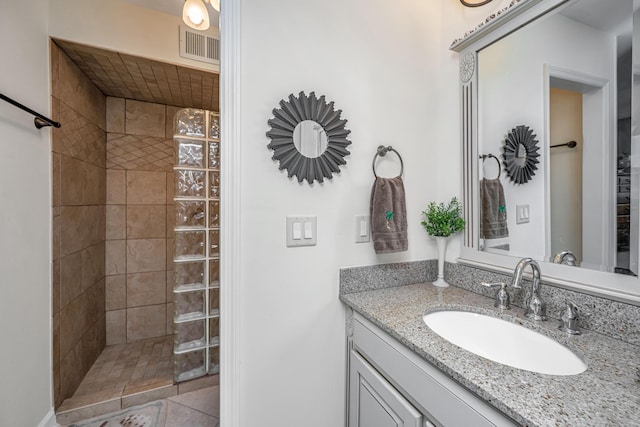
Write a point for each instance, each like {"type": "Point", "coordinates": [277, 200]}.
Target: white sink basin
{"type": "Point", "coordinates": [505, 342]}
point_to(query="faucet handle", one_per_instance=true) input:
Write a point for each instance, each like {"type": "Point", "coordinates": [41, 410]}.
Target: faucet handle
{"type": "Point", "coordinates": [569, 319]}
{"type": "Point", "coordinates": [503, 300]}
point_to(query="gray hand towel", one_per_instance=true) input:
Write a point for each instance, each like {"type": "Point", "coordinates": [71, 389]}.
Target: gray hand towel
{"type": "Point", "coordinates": [388, 216]}
{"type": "Point", "coordinates": [494, 210]}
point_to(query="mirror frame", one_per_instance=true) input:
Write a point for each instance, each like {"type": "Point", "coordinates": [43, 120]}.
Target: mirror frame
{"type": "Point", "coordinates": [507, 20]}
{"type": "Point", "coordinates": [284, 121]}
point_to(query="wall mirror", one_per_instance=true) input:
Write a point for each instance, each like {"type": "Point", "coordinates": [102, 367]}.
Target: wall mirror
{"type": "Point", "coordinates": [308, 137]}
{"type": "Point", "coordinates": [569, 69]}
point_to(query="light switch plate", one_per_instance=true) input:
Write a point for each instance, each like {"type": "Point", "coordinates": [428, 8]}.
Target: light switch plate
{"type": "Point", "coordinates": [301, 231]}
{"type": "Point", "coordinates": [522, 214]}
{"type": "Point", "coordinates": [362, 229]}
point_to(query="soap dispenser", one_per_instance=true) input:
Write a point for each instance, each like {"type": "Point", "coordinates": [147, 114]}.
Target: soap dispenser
{"type": "Point", "coordinates": [569, 319]}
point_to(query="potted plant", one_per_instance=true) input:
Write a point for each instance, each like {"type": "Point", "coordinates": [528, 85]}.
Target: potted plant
{"type": "Point", "coordinates": [442, 221]}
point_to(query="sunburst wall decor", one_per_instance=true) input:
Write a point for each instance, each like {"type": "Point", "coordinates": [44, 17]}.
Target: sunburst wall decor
{"type": "Point", "coordinates": [521, 154]}
{"type": "Point", "coordinates": [286, 118]}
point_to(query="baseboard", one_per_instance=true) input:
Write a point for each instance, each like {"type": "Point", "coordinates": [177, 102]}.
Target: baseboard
{"type": "Point", "coordinates": [49, 420]}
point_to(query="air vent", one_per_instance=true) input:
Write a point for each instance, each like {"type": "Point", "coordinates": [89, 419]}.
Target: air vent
{"type": "Point", "coordinates": [199, 46]}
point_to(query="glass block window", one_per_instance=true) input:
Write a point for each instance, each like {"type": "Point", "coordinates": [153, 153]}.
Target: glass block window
{"type": "Point", "coordinates": [196, 254]}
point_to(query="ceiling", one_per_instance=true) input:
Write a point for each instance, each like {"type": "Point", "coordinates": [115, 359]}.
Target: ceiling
{"type": "Point", "coordinates": [172, 7]}
{"type": "Point", "coordinates": [126, 76]}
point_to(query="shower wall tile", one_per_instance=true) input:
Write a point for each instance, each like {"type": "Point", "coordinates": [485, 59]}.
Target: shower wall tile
{"type": "Point", "coordinates": [56, 225]}
{"type": "Point", "coordinates": [116, 327]}
{"type": "Point", "coordinates": [146, 255]}
{"type": "Point", "coordinates": [115, 257]}
{"type": "Point", "coordinates": [146, 322]}
{"type": "Point", "coordinates": [55, 286]}
{"type": "Point", "coordinates": [79, 92]}
{"type": "Point", "coordinates": [145, 118]}
{"type": "Point", "coordinates": [70, 278]}
{"type": "Point", "coordinates": [93, 265]}
{"type": "Point", "coordinates": [115, 292]}
{"type": "Point", "coordinates": [170, 315]}
{"type": "Point", "coordinates": [146, 188]}
{"type": "Point", "coordinates": [116, 222]}
{"type": "Point", "coordinates": [79, 137]}
{"type": "Point", "coordinates": [170, 180]}
{"type": "Point", "coordinates": [116, 187]}
{"type": "Point", "coordinates": [79, 224]}
{"type": "Point", "coordinates": [139, 152]}
{"type": "Point", "coordinates": [171, 282]}
{"type": "Point", "coordinates": [146, 221]}
{"type": "Point", "coordinates": [115, 114]}
{"type": "Point", "coordinates": [171, 220]}
{"type": "Point", "coordinates": [81, 227]}
{"type": "Point", "coordinates": [56, 188]}
{"type": "Point", "coordinates": [146, 288]}
{"type": "Point", "coordinates": [171, 114]}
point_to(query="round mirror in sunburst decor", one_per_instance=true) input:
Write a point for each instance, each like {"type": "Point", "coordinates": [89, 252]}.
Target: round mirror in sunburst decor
{"type": "Point", "coordinates": [308, 137]}
{"type": "Point", "coordinates": [521, 154]}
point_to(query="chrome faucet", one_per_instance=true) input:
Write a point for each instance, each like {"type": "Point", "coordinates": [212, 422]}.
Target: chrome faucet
{"type": "Point", "coordinates": [535, 307]}
{"type": "Point", "coordinates": [565, 257]}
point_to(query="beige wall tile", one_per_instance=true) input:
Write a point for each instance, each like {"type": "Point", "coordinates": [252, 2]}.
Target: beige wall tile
{"type": "Point", "coordinates": [171, 220]}
{"type": "Point", "coordinates": [146, 288]}
{"type": "Point", "coordinates": [73, 322]}
{"type": "Point", "coordinates": [76, 90]}
{"type": "Point", "coordinates": [70, 278]}
{"type": "Point", "coordinates": [171, 115]}
{"type": "Point", "coordinates": [71, 181]}
{"type": "Point", "coordinates": [115, 257]}
{"type": "Point", "coordinates": [145, 118]}
{"type": "Point", "coordinates": [56, 225]}
{"type": "Point", "coordinates": [116, 187]}
{"type": "Point", "coordinates": [146, 255]}
{"type": "Point", "coordinates": [116, 292]}
{"type": "Point", "coordinates": [170, 187]}
{"type": "Point", "coordinates": [116, 327]}
{"type": "Point", "coordinates": [93, 265]}
{"type": "Point", "coordinates": [146, 221]}
{"type": "Point", "coordinates": [170, 314]}
{"type": "Point", "coordinates": [54, 60]}
{"type": "Point", "coordinates": [116, 222]}
{"type": "Point", "coordinates": [81, 227]}
{"type": "Point", "coordinates": [115, 114]}
{"type": "Point", "coordinates": [55, 286]}
{"type": "Point", "coordinates": [170, 251]}
{"type": "Point", "coordinates": [56, 189]}
{"type": "Point", "coordinates": [170, 282]}
{"type": "Point", "coordinates": [146, 188]}
{"type": "Point", "coordinates": [94, 184]}
{"type": "Point", "coordinates": [146, 322]}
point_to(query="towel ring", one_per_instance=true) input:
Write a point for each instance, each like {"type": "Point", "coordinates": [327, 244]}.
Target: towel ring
{"type": "Point", "coordinates": [485, 156]}
{"type": "Point", "coordinates": [382, 151]}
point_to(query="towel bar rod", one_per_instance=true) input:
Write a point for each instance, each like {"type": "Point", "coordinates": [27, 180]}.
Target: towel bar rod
{"type": "Point", "coordinates": [39, 120]}
{"type": "Point", "coordinates": [569, 144]}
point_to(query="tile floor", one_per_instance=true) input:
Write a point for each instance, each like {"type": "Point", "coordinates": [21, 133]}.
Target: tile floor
{"type": "Point", "coordinates": [126, 375]}
{"type": "Point", "coordinates": [200, 408]}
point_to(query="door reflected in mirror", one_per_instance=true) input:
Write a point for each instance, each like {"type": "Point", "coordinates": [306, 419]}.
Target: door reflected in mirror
{"type": "Point", "coordinates": [310, 138]}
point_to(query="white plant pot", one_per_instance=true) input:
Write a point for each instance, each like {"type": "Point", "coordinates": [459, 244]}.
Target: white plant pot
{"type": "Point", "coordinates": [441, 242]}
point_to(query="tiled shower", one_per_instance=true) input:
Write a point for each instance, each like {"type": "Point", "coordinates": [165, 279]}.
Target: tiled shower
{"type": "Point", "coordinates": [114, 216]}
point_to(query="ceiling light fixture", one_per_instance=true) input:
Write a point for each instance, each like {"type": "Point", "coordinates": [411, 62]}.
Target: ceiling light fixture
{"type": "Point", "coordinates": [474, 3]}
{"type": "Point", "coordinates": [195, 14]}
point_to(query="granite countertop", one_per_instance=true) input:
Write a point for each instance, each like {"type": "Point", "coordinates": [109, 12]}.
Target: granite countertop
{"type": "Point", "coordinates": [607, 393]}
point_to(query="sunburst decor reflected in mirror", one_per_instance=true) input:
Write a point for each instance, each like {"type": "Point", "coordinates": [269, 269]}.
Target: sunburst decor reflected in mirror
{"type": "Point", "coordinates": [521, 154]}
{"type": "Point", "coordinates": [286, 118]}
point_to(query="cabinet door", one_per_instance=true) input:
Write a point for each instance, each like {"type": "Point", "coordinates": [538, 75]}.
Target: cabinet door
{"type": "Point", "coordinates": [373, 402]}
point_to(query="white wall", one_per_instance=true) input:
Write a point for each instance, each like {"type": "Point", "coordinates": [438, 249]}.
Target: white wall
{"type": "Point", "coordinates": [510, 84]}
{"type": "Point", "coordinates": [122, 27]}
{"type": "Point", "coordinates": [25, 217]}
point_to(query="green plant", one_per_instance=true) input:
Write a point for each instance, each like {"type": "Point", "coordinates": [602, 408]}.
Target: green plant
{"type": "Point", "coordinates": [441, 220]}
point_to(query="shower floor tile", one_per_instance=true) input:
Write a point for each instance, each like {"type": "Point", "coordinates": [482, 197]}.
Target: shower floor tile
{"type": "Point", "coordinates": [123, 375]}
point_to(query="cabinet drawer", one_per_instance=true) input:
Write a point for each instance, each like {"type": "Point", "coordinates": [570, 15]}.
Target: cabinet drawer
{"type": "Point", "coordinates": [427, 388]}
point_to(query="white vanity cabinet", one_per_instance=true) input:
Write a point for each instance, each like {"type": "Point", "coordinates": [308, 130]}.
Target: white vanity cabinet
{"type": "Point", "coordinates": [389, 386]}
